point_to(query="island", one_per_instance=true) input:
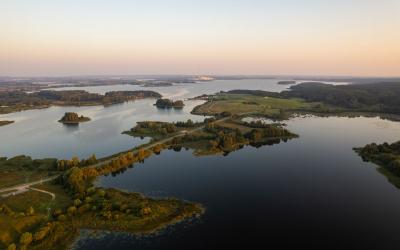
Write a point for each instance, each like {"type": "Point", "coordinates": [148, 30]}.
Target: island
{"type": "Point", "coordinates": [13, 101]}
{"type": "Point", "coordinates": [286, 82]}
{"type": "Point", "coordinates": [3, 123]}
{"type": "Point", "coordinates": [73, 118]}
{"type": "Point", "coordinates": [221, 135]}
{"type": "Point", "coordinates": [167, 103]}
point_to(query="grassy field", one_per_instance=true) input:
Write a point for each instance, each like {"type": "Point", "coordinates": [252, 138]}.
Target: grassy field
{"type": "Point", "coordinates": [15, 177]}
{"type": "Point", "coordinates": [11, 227]}
{"type": "Point", "coordinates": [21, 169]}
{"type": "Point", "coordinates": [241, 103]}
{"type": "Point", "coordinates": [61, 200]}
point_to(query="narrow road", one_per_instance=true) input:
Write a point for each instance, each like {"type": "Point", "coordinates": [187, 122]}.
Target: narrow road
{"type": "Point", "coordinates": [18, 189]}
{"type": "Point", "coordinates": [181, 133]}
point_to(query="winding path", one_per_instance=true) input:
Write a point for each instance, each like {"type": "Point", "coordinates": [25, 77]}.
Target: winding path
{"type": "Point", "coordinates": [18, 189]}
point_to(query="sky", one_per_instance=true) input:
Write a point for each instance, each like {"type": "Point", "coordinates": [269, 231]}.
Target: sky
{"type": "Point", "coordinates": [211, 37]}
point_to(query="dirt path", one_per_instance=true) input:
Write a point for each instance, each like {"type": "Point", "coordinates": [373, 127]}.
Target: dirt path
{"type": "Point", "coordinates": [53, 196]}
{"type": "Point", "coordinates": [18, 189]}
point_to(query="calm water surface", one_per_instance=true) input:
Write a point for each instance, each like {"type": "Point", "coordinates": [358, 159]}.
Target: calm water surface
{"type": "Point", "coordinates": [312, 191]}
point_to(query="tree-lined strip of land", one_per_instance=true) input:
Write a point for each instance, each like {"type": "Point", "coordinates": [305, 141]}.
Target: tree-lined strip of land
{"type": "Point", "coordinates": [17, 100]}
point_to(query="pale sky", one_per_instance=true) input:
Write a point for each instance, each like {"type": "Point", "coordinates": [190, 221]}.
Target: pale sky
{"type": "Point", "coordinates": [308, 37]}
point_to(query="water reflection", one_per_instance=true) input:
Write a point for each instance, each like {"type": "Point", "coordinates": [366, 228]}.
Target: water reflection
{"type": "Point", "coordinates": [314, 185]}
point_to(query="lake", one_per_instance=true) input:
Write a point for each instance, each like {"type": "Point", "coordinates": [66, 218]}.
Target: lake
{"type": "Point", "coordinates": [313, 191]}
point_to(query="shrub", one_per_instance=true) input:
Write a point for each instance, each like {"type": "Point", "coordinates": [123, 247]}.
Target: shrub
{"type": "Point", "coordinates": [26, 238]}
{"type": "Point", "coordinates": [12, 247]}
{"type": "Point", "coordinates": [30, 211]}
{"type": "Point", "coordinates": [71, 210]}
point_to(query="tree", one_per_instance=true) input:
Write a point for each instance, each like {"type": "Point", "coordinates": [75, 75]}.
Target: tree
{"type": "Point", "coordinates": [141, 154]}
{"type": "Point", "coordinates": [77, 202]}
{"type": "Point", "coordinates": [41, 234]}
{"type": "Point", "coordinates": [75, 180]}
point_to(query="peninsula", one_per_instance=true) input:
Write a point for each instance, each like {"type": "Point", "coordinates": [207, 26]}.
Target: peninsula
{"type": "Point", "coordinates": [14, 101]}
{"type": "Point", "coordinates": [379, 99]}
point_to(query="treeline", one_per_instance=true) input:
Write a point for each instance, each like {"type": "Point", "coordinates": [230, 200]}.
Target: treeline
{"type": "Point", "coordinates": [256, 124]}
{"type": "Point", "coordinates": [226, 139]}
{"type": "Point", "coordinates": [385, 155]}
{"type": "Point", "coordinates": [381, 97]}
{"type": "Point", "coordinates": [26, 162]}
{"type": "Point", "coordinates": [151, 128]}
{"type": "Point", "coordinates": [378, 97]}
{"type": "Point", "coordinates": [77, 179]}
{"type": "Point", "coordinates": [63, 165]}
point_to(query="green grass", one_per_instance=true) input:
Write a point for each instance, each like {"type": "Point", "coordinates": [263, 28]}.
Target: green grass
{"type": "Point", "coordinates": [21, 202]}
{"type": "Point", "coordinates": [10, 178]}
{"type": "Point", "coordinates": [241, 103]}
{"type": "Point", "coordinates": [11, 228]}
{"type": "Point", "coordinates": [62, 199]}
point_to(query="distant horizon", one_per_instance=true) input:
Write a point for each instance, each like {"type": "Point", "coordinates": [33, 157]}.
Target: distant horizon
{"type": "Point", "coordinates": [210, 75]}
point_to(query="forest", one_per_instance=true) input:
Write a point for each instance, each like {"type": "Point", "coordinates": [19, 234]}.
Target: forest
{"type": "Point", "coordinates": [377, 97]}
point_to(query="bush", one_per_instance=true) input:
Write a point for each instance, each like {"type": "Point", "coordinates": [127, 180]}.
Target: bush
{"type": "Point", "coordinates": [30, 211]}
{"type": "Point", "coordinates": [62, 217]}
{"type": "Point", "coordinates": [77, 202]}
{"type": "Point", "coordinates": [71, 210]}
{"type": "Point", "coordinates": [12, 247]}
{"type": "Point", "coordinates": [41, 234]}
{"type": "Point", "coordinates": [26, 238]}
